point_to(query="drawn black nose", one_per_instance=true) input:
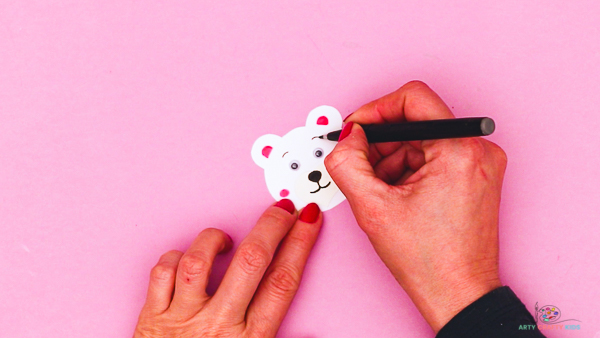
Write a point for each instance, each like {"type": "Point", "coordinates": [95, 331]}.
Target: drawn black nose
{"type": "Point", "coordinates": [315, 176]}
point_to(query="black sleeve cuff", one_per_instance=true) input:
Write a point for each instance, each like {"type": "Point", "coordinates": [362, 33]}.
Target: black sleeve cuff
{"type": "Point", "coordinates": [497, 314]}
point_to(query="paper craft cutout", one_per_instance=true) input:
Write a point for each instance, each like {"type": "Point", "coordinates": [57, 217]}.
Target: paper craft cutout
{"type": "Point", "coordinates": [293, 163]}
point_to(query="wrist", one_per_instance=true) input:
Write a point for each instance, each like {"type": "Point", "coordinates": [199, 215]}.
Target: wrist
{"type": "Point", "coordinates": [441, 300]}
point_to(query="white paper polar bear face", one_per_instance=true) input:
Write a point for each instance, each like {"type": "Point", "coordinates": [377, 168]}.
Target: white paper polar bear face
{"type": "Point", "coordinates": [293, 164]}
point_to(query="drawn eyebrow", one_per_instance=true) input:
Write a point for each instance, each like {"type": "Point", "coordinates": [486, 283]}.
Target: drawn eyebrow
{"type": "Point", "coordinates": [284, 154]}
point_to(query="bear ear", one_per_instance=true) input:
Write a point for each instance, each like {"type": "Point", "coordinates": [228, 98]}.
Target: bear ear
{"type": "Point", "coordinates": [325, 116]}
{"type": "Point", "coordinates": [261, 149]}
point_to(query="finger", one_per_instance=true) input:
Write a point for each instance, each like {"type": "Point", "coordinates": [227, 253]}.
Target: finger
{"type": "Point", "coordinates": [378, 151]}
{"type": "Point", "coordinates": [282, 279]}
{"type": "Point", "coordinates": [348, 165]}
{"type": "Point", "coordinates": [252, 259]}
{"type": "Point", "coordinates": [162, 282]}
{"type": "Point", "coordinates": [194, 269]}
{"type": "Point", "coordinates": [496, 160]}
{"type": "Point", "coordinates": [405, 176]}
{"type": "Point", "coordinates": [394, 166]}
{"type": "Point", "coordinates": [414, 101]}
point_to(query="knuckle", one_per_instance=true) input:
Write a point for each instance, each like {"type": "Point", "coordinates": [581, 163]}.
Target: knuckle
{"type": "Point", "coordinates": [160, 326]}
{"type": "Point", "coordinates": [166, 256]}
{"type": "Point", "coordinates": [473, 148]}
{"type": "Point", "coordinates": [216, 332]}
{"type": "Point", "coordinates": [283, 282]}
{"type": "Point", "coordinates": [470, 154]}
{"type": "Point", "coordinates": [300, 238]}
{"type": "Point", "coordinates": [162, 272]}
{"type": "Point", "coordinates": [260, 330]}
{"type": "Point", "coordinates": [253, 257]}
{"type": "Point", "coordinates": [147, 329]}
{"type": "Point", "coordinates": [212, 232]}
{"type": "Point", "coordinates": [415, 85]}
{"type": "Point", "coordinates": [277, 218]}
{"type": "Point", "coordinates": [194, 266]}
{"type": "Point", "coordinates": [216, 236]}
{"type": "Point", "coordinates": [500, 155]}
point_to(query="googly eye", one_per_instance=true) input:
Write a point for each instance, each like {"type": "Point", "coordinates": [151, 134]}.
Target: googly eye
{"type": "Point", "coordinates": [295, 165]}
{"type": "Point", "coordinates": [318, 152]}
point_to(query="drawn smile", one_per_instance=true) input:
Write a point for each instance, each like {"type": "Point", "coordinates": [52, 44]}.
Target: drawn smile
{"type": "Point", "coordinates": [320, 187]}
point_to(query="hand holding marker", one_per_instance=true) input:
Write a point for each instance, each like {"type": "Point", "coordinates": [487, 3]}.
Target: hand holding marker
{"type": "Point", "coordinates": [423, 130]}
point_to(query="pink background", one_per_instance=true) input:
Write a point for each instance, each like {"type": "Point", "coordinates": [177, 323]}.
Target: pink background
{"type": "Point", "coordinates": [126, 128]}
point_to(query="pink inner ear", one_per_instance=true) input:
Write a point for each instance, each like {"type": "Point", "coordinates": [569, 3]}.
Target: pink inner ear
{"type": "Point", "coordinates": [323, 121]}
{"type": "Point", "coordinates": [267, 151]}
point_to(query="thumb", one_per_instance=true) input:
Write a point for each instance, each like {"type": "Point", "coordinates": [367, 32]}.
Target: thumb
{"type": "Point", "coordinates": [349, 167]}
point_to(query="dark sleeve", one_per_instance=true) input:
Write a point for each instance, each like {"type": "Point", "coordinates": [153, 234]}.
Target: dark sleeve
{"type": "Point", "coordinates": [498, 314]}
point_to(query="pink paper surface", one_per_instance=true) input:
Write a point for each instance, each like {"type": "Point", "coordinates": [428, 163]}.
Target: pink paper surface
{"type": "Point", "coordinates": [126, 127]}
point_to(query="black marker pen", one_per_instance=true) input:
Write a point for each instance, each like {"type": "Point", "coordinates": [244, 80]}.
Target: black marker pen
{"type": "Point", "coordinates": [423, 130]}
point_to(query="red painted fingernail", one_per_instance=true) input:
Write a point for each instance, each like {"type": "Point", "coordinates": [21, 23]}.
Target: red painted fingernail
{"type": "Point", "coordinates": [346, 130]}
{"type": "Point", "coordinates": [310, 213]}
{"type": "Point", "coordinates": [286, 205]}
{"type": "Point", "coordinates": [347, 117]}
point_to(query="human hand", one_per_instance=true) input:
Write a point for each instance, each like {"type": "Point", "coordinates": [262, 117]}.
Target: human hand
{"type": "Point", "coordinates": [430, 208]}
{"type": "Point", "coordinates": [257, 288]}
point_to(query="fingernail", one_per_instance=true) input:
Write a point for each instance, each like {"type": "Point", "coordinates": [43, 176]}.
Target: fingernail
{"type": "Point", "coordinates": [286, 205]}
{"type": "Point", "coordinates": [347, 117]}
{"type": "Point", "coordinates": [310, 213]}
{"type": "Point", "coordinates": [346, 130]}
